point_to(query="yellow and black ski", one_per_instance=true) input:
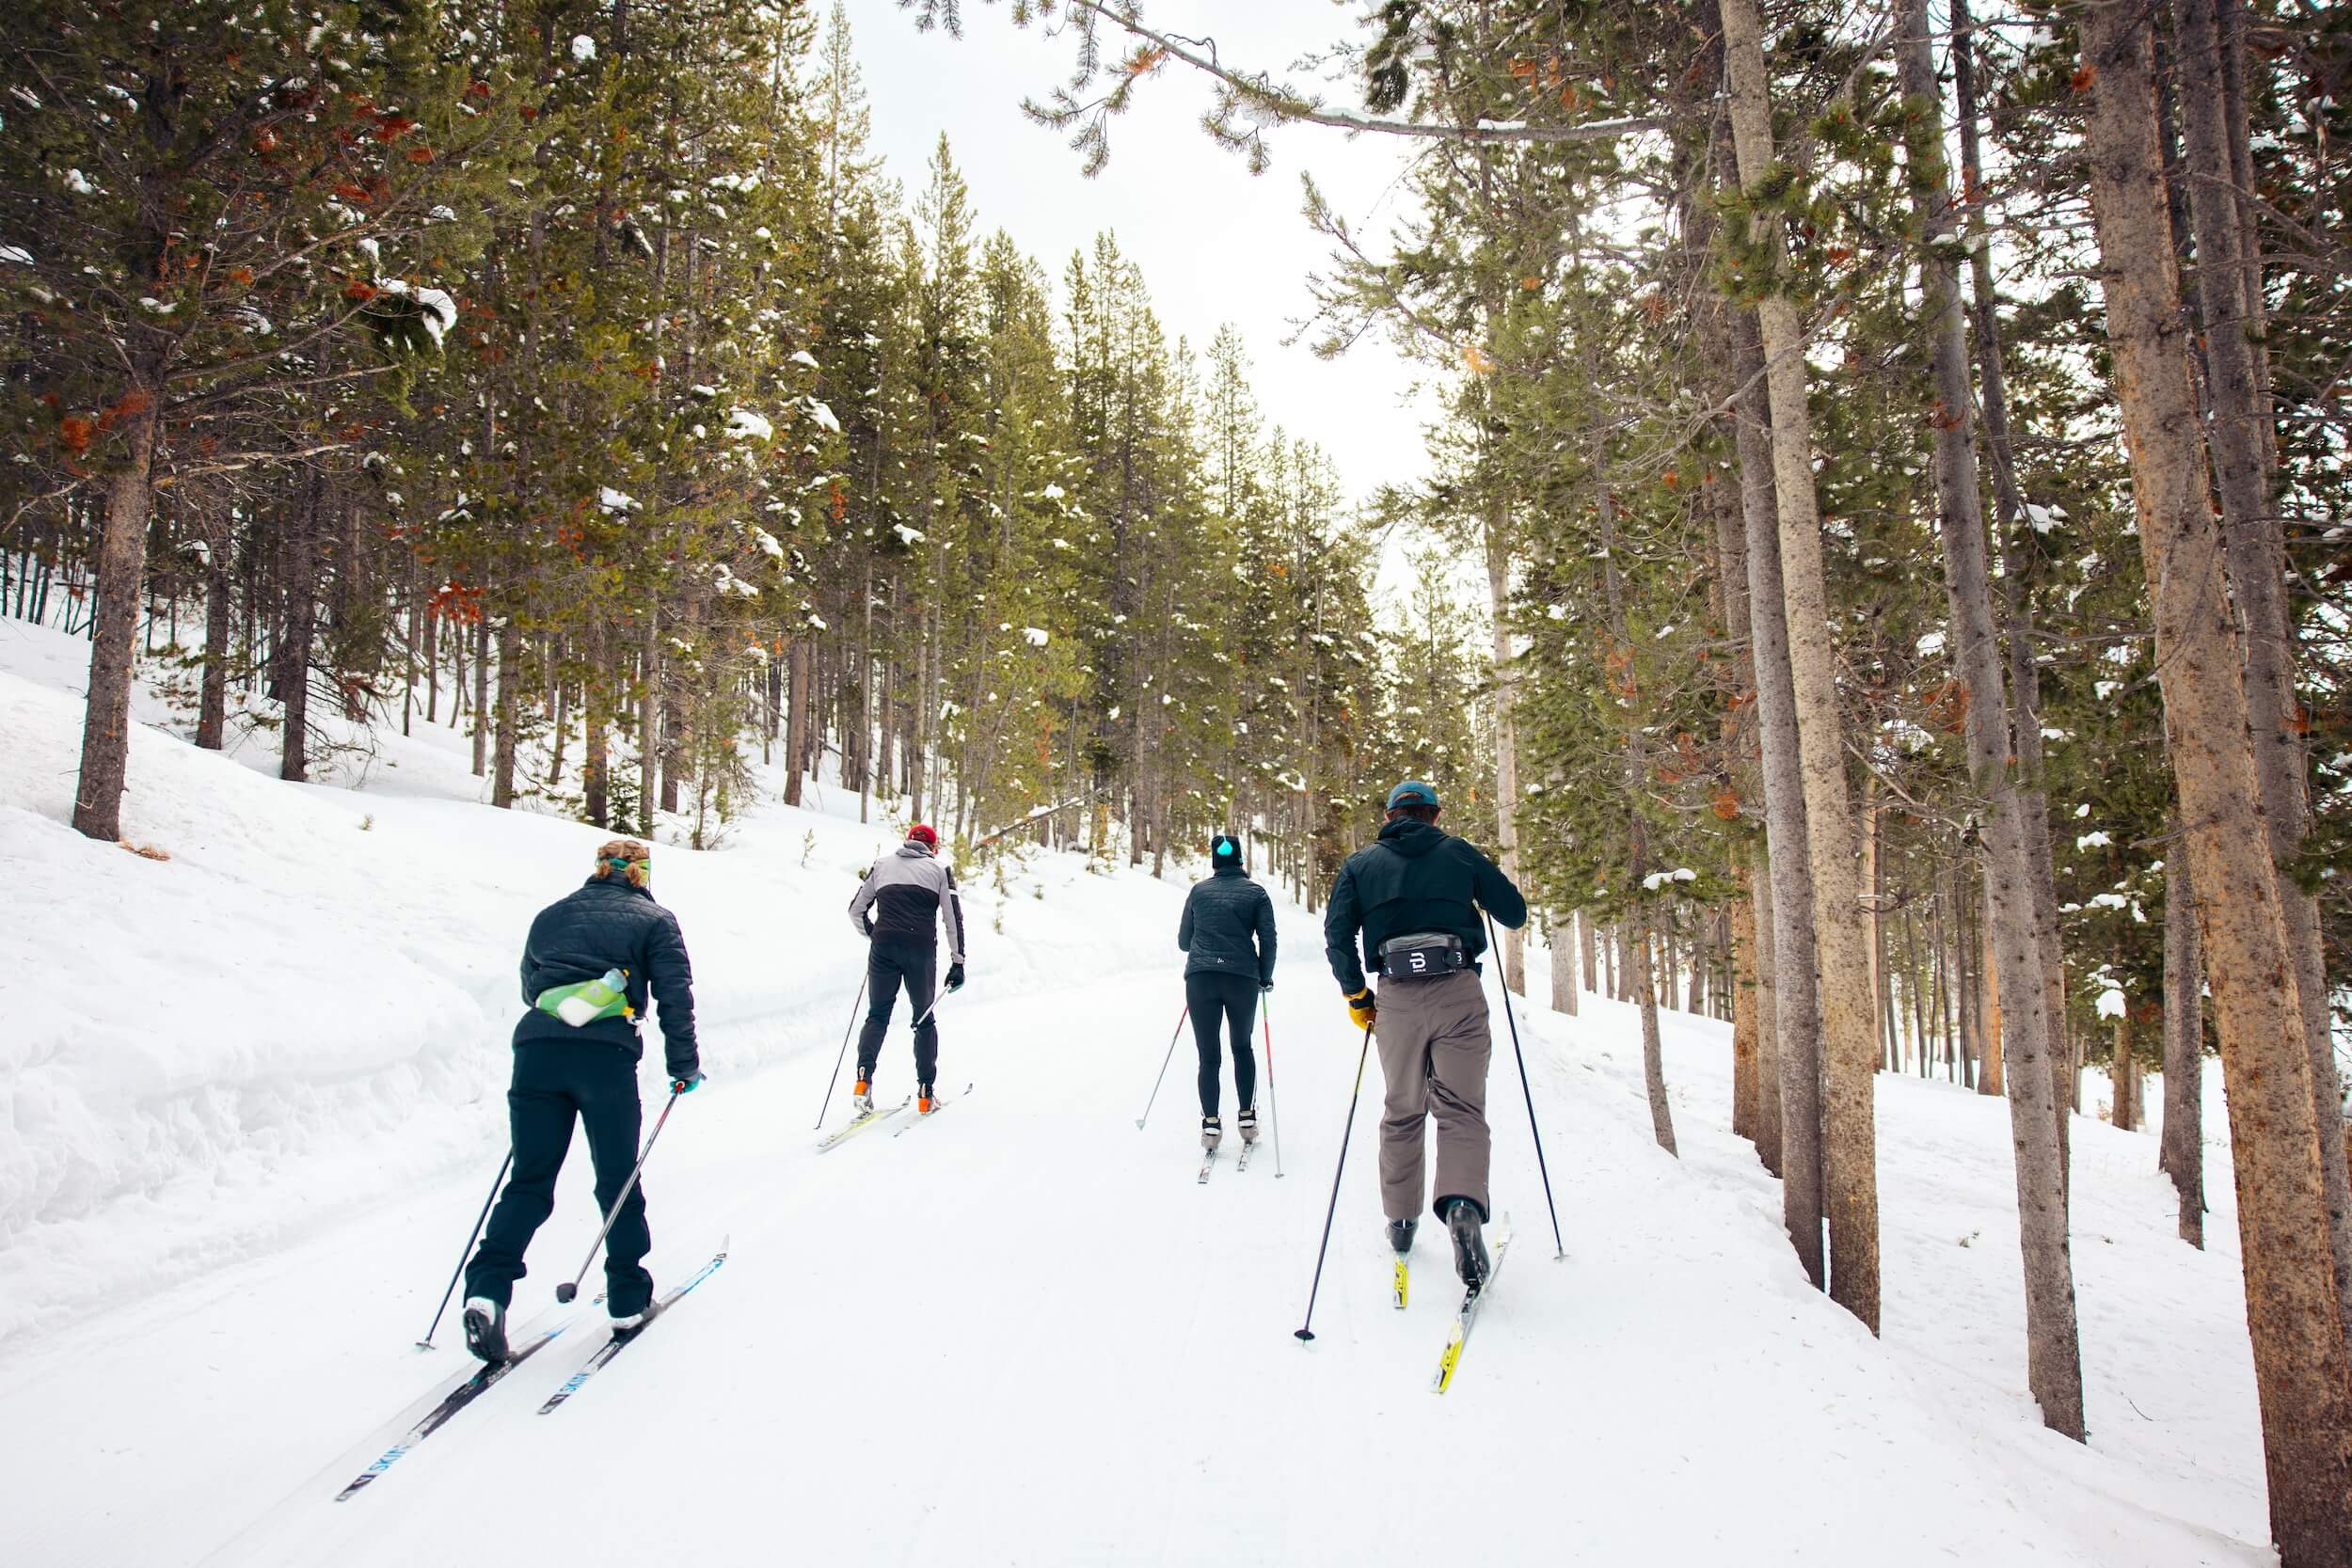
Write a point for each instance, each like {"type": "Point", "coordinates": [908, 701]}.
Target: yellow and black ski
{"type": "Point", "coordinates": [1458, 1339]}
{"type": "Point", "coordinates": [1396, 1286]}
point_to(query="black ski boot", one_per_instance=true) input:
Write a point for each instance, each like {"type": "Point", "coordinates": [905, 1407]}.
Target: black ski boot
{"type": "Point", "coordinates": [1469, 1244]}
{"type": "Point", "coordinates": [486, 1329]}
{"type": "Point", "coordinates": [1401, 1234]}
{"type": "Point", "coordinates": [1212, 1132]}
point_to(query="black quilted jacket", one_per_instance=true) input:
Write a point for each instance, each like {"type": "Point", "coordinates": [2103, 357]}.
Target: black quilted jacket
{"type": "Point", "coordinates": [1222, 915]}
{"type": "Point", "coordinates": [610, 924]}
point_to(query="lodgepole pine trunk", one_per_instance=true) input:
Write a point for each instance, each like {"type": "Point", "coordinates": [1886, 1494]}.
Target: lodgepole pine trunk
{"type": "Point", "coordinates": [2053, 1338]}
{"type": "Point", "coordinates": [649, 721]}
{"type": "Point", "coordinates": [1743, 1047]}
{"type": "Point", "coordinates": [796, 720]}
{"type": "Point", "coordinates": [2300, 1370]}
{"type": "Point", "coordinates": [2181, 1153]}
{"type": "Point", "coordinates": [1768, 1100]}
{"type": "Point", "coordinates": [510, 701]}
{"type": "Point", "coordinates": [2226, 281]}
{"type": "Point", "coordinates": [1561, 939]}
{"type": "Point", "coordinates": [1849, 1054]}
{"type": "Point", "coordinates": [1796, 1010]}
{"type": "Point", "coordinates": [301, 557]}
{"type": "Point", "coordinates": [114, 626]}
{"type": "Point", "coordinates": [212, 710]}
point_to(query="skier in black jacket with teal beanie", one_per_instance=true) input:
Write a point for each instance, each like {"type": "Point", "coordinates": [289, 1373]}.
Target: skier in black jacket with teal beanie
{"type": "Point", "coordinates": [586, 1072]}
{"type": "Point", "coordinates": [1227, 934]}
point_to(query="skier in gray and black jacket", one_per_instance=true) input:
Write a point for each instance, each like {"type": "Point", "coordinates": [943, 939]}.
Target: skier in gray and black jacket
{"type": "Point", "coordinates": [1228, 937]}
{"type": "Point", "coordinates": [900, 907]}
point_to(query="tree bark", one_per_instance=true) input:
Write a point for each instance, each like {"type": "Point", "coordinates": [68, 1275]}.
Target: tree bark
{"type": "Point", "coordinates": [2257, 566]}
{"type": "Point", "coordinates": [2181, 1153]}
{"type": "Point", "coordinates": [1796, 1009]}
{"type": "Point", "coordinates": [1562, 941]}
{"type": "Point", "coordinates": [113, 625]}
{"type": "Point", "coordinates": [1849, 1160]}
{"type": "Point", "coordinates": [211, 711]}
{"type": "Point", "coordinates": [2053, 1342]}
{"type": "Point", "coordinates": [2300, 1370]}
{"type": "Point", "coordinates": [796, 721]}
{"type": "Point", "coordinates": [649, 717]}
{"type": "Point", "coordinates": [1506, 729]}
{"type": "Point", "coordinates": [509, 713]}
{"type": "Point", "coordinates": [1744, 1077]}
{"type": "Point", "coordinates": [300, 553]}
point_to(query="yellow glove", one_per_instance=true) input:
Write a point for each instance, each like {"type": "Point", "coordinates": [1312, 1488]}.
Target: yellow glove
{"type": "Point", "coordinates": [1360, 1010]}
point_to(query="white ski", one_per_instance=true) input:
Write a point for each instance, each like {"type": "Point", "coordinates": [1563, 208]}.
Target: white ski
{"type": "Point", "coordinates": [940, 1102]}
{"type": "Point", "coordinates": [833, 1140]}
{"type": "Point", "coordinates": [1208, 1162]}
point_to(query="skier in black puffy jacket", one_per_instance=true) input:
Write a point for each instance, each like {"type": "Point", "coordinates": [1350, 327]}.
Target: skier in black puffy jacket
{"type": "Point", "coordinates": [1228, 937]}
{"type": "Point", "coordinates": [583, 1066]}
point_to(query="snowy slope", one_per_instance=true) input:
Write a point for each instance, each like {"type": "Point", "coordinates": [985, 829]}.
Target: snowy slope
{"type": "Point", "coordinates": [259, 1098]}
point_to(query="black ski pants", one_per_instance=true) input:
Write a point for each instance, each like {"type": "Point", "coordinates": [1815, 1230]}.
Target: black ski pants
{"type": "Point", "coordinates": [1227, 999]}
{"type": "Point", "coordinates": [888, 966]}
{"type": "Point", "coordinates": [555, 1081]}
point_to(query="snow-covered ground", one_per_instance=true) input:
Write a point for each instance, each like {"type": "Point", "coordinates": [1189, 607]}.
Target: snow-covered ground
{"type": "Point", "coordinates": [254, 1094]}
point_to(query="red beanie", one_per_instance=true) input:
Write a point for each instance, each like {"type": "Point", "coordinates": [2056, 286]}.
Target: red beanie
{"type": "Point", "coordinates": [922, 834]}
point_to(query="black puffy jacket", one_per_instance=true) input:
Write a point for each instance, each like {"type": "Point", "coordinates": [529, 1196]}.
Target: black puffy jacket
{"type": "Point", "coordinates": [1416, 877]}
{"type": "Point", "coordinates": [610, 924]}
{"type": "Point", "coordinates": [1222, 915]}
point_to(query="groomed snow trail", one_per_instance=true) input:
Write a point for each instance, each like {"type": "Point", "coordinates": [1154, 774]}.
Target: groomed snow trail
{"type": "Point", "coordinates": [1021, 1334]}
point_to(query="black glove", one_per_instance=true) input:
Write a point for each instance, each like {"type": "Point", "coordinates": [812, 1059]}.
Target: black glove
{"type": "Point", "coordinates": [1264, 986]}
{"type": "Point", "coordinates": [683, 1082]}
{"type": "Point", "coordinates": [955, 976]}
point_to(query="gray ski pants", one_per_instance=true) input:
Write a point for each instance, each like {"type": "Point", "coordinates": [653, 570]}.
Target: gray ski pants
{"type": "Point", "coordinates": [1434, 1050]}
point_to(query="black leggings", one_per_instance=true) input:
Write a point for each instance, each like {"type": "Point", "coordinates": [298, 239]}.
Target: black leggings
{"type": "Point", "coordinates": [1235, 999]}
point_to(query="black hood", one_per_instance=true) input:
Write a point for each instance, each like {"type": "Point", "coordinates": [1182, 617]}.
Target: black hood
{"type": "Point", "coordinates": [1411, 837]}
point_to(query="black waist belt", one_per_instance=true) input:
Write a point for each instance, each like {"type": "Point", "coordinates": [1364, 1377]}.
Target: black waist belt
{"type": "Point", "coordinates": [1422, 956]}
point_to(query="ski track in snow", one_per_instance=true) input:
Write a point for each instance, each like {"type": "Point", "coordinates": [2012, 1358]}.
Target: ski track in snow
{"type": "Point", "coordinates": [255, 1093]}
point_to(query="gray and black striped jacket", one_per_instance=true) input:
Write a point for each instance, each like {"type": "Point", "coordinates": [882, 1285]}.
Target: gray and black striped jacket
{"type": "Point", "coordinates": [905, 894]}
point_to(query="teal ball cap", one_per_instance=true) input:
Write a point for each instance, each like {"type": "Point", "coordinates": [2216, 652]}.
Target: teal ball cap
{"type": "Point", "coordinates": [1412, 792]}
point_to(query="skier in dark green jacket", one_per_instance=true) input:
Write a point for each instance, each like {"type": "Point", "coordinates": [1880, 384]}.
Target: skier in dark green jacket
{"type": "Point", "coordinates": [576, 1053]}
{"type": "Point", "coordinates": [1412, 898]}
{"type": "Point", "coordinates": [1227, 934]}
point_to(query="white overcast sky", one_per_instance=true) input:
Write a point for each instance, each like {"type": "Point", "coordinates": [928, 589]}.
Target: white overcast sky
{"type": "Point", "coordinates": [1216, 244]}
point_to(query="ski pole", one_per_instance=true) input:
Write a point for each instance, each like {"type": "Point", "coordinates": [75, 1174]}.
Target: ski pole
{"type": "Point", "coordinates": [935, 1006]}
{"type": "Point", "coordinates": [1273, 1101]}
{"type": "Point", "coordinates": [566, 1292]}
{"type": "Point", "coordinates": [845, 1049]}
{"type": "Point", "coordinates": [1304, 1331]}
{"type": "Point", "coordinates": [1560, 1248]}
{"type": "Point", "coordinates": [1163, 1061]}
{"type": "Point", "coordinates": [495, 1183]}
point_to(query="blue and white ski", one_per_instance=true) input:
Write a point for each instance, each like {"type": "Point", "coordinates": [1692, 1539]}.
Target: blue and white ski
{"type": "Point", "coordinates": [622, 1339]}
{"type": "Point", "coordinates": [535, 1337]}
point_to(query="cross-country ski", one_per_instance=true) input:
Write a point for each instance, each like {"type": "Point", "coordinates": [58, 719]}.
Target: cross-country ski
{"type": "Point", "coordinates": [442, 1409]}
{"type": "Point", "coordinates": [1465, 1317]}
{"type": "Point", "coordinates": [940, 1103]}
{"type": "Point", "coordinates": [860, 1123]}
{"type": "Point", "coordinates": [621, 1339]}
